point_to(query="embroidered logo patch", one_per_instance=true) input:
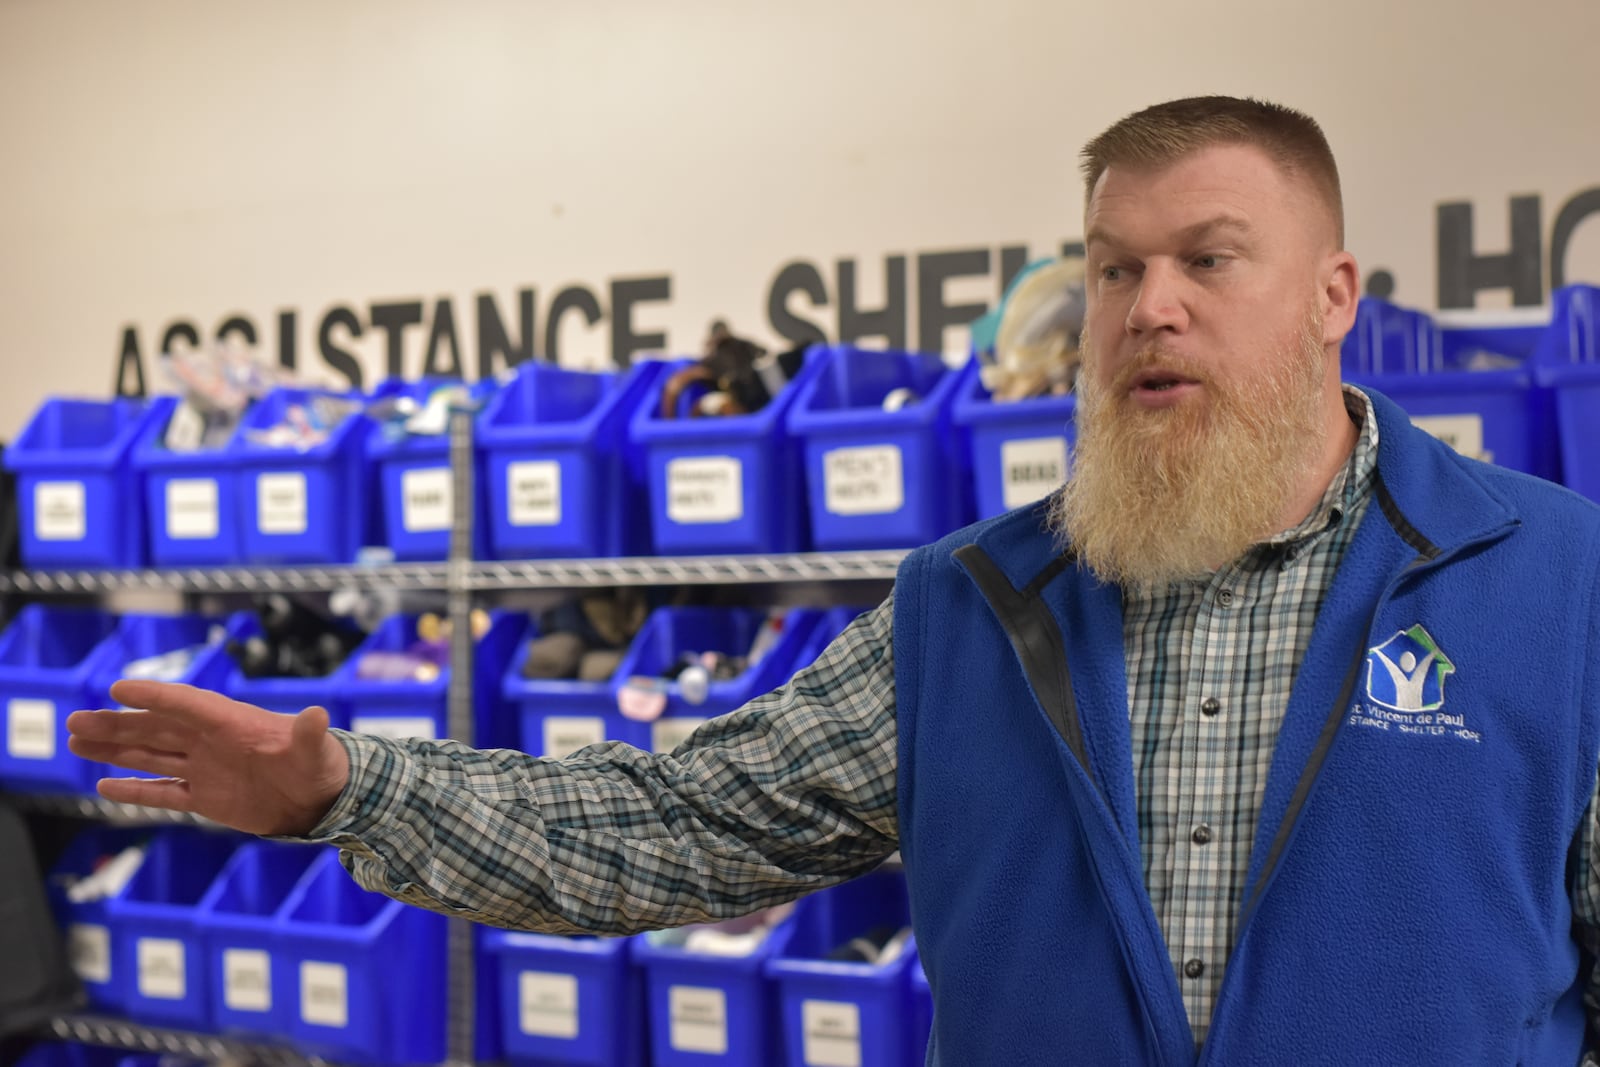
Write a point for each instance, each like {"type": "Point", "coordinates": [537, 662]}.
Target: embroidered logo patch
{"type": "Point", "coordinates": [1407, 672]}
{"type": "Point", "coordinates": [1405, 689]}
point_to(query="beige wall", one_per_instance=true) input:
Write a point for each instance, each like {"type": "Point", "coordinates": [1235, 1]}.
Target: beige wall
{"type": "Point", "coordinates": [190, 160]}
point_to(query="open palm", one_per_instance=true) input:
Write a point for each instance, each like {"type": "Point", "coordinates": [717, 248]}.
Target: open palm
{"type": "Point", "coordinates": [234, 763]}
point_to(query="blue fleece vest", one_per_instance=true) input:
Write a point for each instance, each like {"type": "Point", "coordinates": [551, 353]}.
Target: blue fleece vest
{"type": "Point", "coordinates": [1408, 894]}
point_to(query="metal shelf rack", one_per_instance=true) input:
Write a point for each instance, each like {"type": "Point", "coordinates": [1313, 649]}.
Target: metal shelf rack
{"type": "Point", "coordinates": [480, 576]}
{"type": "Point", "coordinates": [137, 1037]}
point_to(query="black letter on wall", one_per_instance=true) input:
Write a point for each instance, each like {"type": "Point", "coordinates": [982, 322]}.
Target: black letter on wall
{"type": "Point", "coordinates": [1012, 260]}
{"type": "Point", "coordinates": [444, 330]}
{"type": "Point", "coordinates": [933, 314]}
{"type": "Point", "coordinates": [1572, 212]}
{"type": "Point", "coordinates": [492, 338]}
{"type": "Point", "coordinates": [184, 330]}
{"type": "Point", "coordinates": [286, 339]}
{"type": "Point", "coordinates": [129, 358]}
{"type": "Point", "coordinates": [334, 356]}
{"type": "Point", "coordinates": [393, 319]}
{"type": "Point", "coordinates": [1462, 272]}
{"type": "Point", "coordinates": [889, 321]}
{"type": "Point", "coordinates": [572, 298]}
{"type": "Point", "coordinates": [797, 277]}
{"type": "Point", "coordinates": [624, 294]}
{"type": "Point", "coordinates": [240, 325]}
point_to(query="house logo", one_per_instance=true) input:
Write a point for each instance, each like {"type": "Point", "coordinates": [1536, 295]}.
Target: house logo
{"type": "Point", "coordinates": [1406, 673]}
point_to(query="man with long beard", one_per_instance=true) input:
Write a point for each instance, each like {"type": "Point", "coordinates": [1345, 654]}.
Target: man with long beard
{"type": "Point", "coordinates": [1170, 758]}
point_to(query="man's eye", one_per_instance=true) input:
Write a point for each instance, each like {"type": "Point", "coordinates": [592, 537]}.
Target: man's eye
{"type": "Point", "coordinates": [1110, 274]}
{"type": "Point", "coordinates": [1206, 262]}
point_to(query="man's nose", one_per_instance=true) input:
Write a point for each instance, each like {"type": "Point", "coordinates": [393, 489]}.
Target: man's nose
{"type": "Point", "coordinates": [1160, 303]}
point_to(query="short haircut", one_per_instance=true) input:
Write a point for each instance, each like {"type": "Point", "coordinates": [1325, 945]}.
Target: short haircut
{"type": "Point", "coordinates": [1164, 133]}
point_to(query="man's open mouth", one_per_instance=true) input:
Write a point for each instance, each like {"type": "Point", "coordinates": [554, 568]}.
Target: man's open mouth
{"type": "Point", "coordinates": [1160, 381]}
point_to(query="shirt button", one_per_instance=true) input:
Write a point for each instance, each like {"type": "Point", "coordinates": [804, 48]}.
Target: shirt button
{"type": "Point", "coordinates": [1201, 835]}
{"type": "Point", "coordinates": [1225, 597]}
{"type": "Point", "coordinates": [1210, 706]}
{"type": "Point", "coordinates": [1194, 968]}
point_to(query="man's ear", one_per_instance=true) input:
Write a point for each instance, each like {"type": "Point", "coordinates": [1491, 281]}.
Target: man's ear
{"type": "Point", "coordinates": [1339, 291]}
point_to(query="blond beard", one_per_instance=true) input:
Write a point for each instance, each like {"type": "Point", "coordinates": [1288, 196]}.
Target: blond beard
{"type": "Point", "coordinates": [1160, 496]}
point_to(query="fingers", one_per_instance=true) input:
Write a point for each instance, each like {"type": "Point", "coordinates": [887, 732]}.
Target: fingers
{"type": "Point", "coordinates": [170, 793]}
{"type": "Point", "coordinates": [183, 704]}
{"type": "Point", "coordinates": [133, 757]}
{"type": "Point", "coordinates": [128, 728]}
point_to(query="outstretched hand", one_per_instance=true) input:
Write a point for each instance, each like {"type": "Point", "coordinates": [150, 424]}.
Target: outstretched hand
{"type": "Point", "coordinates": [234, 763]}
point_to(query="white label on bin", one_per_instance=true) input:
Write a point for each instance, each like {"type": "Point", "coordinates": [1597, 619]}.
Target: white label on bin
{"type": "Point", "coordinates": [549, 1004]}
{"type": "Point", "coordinates": [832, 1033]}
{"type": "Point", "coordinates": [191, 509]}
{"type": "Point", "coordinates": [427, 500]}
{"type": "Point", "coordinates": [1031, 468]}
{"type": "Point", "coordinates": [58, 511]}
{"type": "Point", "coordinates": [1464, 433]}
{"type": "Point", "coordinates": [161, 968]}
{"type": "Point", "coordinates": [89, 949]}
{"type": "Point", "coordinates": [281, 503]}
{"type": "Point", "coordinates": [564, 734]}
{"type": "Point", "coordinates": [246, 979]}
{"type": "Point", "coordinates": [705, 489]}
{"type": "Point", "coordinates": [668, 732]}
{"type": "Point", "coordinates": [31, 728]}
{"type": "Point", "coordinates": [533, 493]}
{"type": "Point", "coordinates": [324, 994]}
{"type": "Point", "coordinates": [699, 1019]}
{"type": "Point", "coordinates": [398, 727]}
{"type": "Point", "coordinates": [863, 481]}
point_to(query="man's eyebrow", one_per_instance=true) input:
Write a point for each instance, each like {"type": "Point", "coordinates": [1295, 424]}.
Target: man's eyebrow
{"type": "Point", "coordinates": [1218, 225]}
{"type": "Point", "coordinates": [1233, 225]}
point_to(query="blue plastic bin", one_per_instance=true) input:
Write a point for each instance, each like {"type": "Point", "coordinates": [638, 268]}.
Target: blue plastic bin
{"type": "Point", "coordinates": [253, 989]}
{"type": "Point", "coordinates": [1019, 449]}
{"type": "Point", "coordinates": [1577, 404]}
{"type": "Point", "coordinates": [78, 497]}
{"type": "Point", "coordinates": [877, 479]}
{"type": "Point", "coordinates": [921, 1013]}
{"type": "Point", "coordinates": [836, 1012]}
{"type": "Point", "coordinates": [421, 709]}
{"type": "Point", "coordinates": [416, 486]}
{"type": "Point", "coordinates": [558, 716]}
{"type": "Point", "coordinates": [311, 506]}
{"type": "Point", "coordinates": [191, 498]}
{"type": "Point", "coordinates": [569, 1000]}
{"type": "Point", "coordinates": [84, 924]}
{"type": "Point", "coordinates": [560, 479]}
{"type": "Point", "coordinates": [46, 660]}
{"type": "Point", "coordinates": [706, 1009]}
{"type": "Point", "coordinates": [392, 709]}
{"type": "Point", "coordinates": [670, 632]}
{"type": "Point", "coordinates": [1569, 367]}
{"type": "Point", "coordinates": [69, 1054]}
{"type": "Point", "coordinates": [141, 636]}
{"type": "Point", "coordinates": [833, 622]}
{"type": "Point", "coordinates": [1494, 415]}
{"type": "Point", "coordinates": [727, 485]}
{"type": "Point", "coordinates": [488, 1038]}
{"type": "Point", "coordinates": [1387, 339]}
{"type": "Point", "coordinates": [287, 695]}
{"type": "Point", "coordinates": [156, 943]}
{"type": "Point", "coordinates": [369, 971]}
{"type": "Point", "coordinates": [497, 722]}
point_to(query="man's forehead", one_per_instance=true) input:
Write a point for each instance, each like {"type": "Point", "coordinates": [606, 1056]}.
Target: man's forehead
{"type": "Point", "coordinates": [1222, 187]}
{"type": "Point", "coordinates": [1215, 164]}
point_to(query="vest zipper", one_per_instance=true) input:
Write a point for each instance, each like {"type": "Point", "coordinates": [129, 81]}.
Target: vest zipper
{"type": "Point", "coordinates": [1424, 561]}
